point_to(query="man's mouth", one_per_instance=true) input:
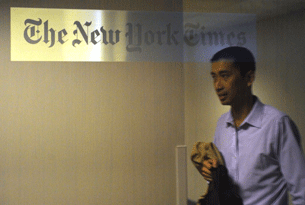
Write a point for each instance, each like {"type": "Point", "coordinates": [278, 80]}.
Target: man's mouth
{"type": "Point", "coordinates": [222, 96]}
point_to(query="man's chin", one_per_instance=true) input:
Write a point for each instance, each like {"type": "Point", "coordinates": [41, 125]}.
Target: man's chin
{"type": "Point", "coordinates": [224, 102]}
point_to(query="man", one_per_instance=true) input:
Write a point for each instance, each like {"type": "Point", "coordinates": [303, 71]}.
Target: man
{"type": "Point", "coordinates": [260, 145]}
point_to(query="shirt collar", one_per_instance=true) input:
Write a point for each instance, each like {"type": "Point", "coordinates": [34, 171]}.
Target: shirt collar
{"type": "Point", "coordinates": [254, 118]}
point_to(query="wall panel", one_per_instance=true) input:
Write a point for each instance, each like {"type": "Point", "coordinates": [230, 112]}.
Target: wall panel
{"type": "Point", "coordinates": [88, 133]}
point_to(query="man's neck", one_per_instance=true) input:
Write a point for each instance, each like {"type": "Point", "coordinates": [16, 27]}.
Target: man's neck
{"type": "Point", "coordinates": [241, 110]}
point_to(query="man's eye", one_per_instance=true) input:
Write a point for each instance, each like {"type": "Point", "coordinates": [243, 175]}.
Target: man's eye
{"type": "Point", "coordinates": [225, 76]}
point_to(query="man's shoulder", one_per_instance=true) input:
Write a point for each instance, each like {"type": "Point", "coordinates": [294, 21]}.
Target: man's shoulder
{"type": "Point", "coordinates": [225, 117]}
{"type": "Point", "coordinates": [273, 113]}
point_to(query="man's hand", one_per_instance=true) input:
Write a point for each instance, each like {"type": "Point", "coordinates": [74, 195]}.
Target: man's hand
{"type": "Point", "coordinates": [206, 168]}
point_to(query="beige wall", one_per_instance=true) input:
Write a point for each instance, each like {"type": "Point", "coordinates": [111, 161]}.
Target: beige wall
{"type": "Point", "coordinates": [88, 133]}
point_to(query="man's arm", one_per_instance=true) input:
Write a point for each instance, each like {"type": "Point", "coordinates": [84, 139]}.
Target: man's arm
{"type": "Point", "coordinates": [291, 159]}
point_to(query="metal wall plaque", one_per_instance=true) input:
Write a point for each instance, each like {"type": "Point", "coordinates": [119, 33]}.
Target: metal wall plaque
{"type": "Point", "coordinates": [125, 36]}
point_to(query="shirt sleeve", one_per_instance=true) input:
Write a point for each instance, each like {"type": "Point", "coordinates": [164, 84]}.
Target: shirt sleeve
{"type": "Point", "coordinates": [291, 159]}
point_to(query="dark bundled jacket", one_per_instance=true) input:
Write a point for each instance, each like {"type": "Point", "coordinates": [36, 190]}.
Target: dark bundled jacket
{"type": "Point", "coordinates": [221, 190]}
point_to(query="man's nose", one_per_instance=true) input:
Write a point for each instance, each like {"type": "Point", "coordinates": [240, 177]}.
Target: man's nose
{"type": "Point", "coordinates": [218, 85]}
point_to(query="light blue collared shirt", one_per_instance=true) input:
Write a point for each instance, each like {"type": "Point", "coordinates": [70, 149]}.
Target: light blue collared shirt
{"type": "Point", "coordinates": [263, 156]}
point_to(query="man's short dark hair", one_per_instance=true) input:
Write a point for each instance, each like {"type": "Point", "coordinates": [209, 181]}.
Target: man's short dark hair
{"type": "Point", "coordinates": [242, 58]}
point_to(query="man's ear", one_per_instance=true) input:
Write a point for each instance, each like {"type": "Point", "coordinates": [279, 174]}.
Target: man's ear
{"type": "Point", "coordinates": [250, 77]}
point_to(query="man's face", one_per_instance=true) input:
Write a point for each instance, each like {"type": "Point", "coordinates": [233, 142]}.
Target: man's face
{"type": "Point", "coordinates": [230, 86]}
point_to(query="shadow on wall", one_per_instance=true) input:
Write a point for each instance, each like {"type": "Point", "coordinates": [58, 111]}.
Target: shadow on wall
{"type": "Point", "coordinates": [190, 202]}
